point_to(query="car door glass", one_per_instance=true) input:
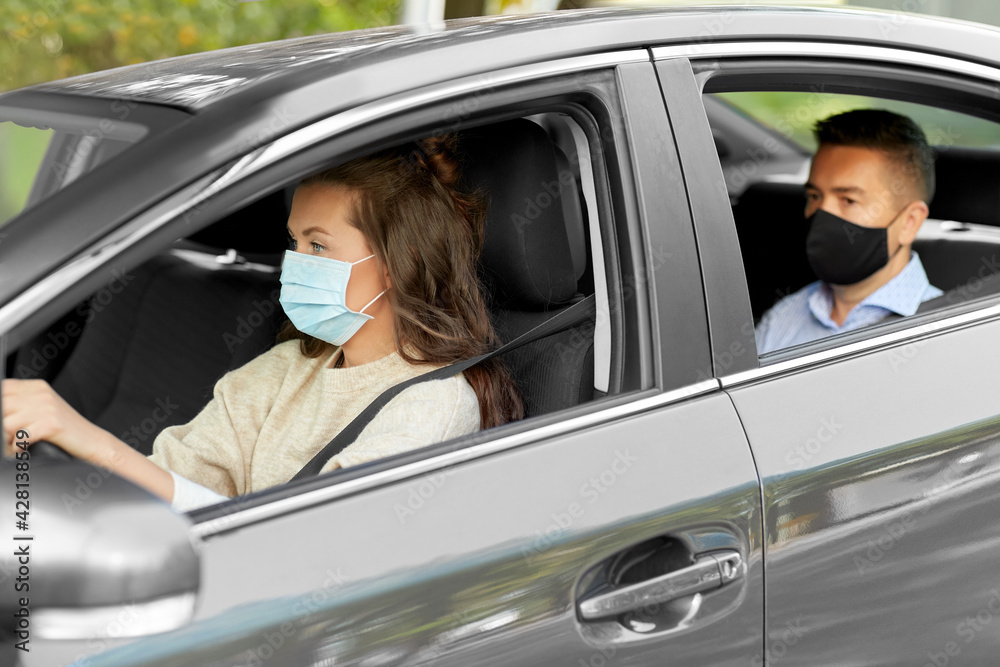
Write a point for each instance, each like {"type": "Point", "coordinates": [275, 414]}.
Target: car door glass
{"type": "Point", "coordinates": [178, 347]}
{"type": "Point", "coordinates": [793, 114]}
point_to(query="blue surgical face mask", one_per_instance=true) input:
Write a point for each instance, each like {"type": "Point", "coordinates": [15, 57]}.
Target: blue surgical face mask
{"type": "Point", "coordinates": [313, 291]}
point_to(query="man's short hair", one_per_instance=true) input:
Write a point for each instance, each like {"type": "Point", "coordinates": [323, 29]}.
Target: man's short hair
{"type": "Point", "coordinates": [899, 137]}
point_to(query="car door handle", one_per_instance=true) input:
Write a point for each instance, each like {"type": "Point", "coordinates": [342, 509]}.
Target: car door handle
{"type": "Point", "coordinates": [710, 571]}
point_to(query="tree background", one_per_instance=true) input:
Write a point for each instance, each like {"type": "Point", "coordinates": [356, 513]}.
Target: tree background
{"type": "Point", "coordinates": [45, 40]}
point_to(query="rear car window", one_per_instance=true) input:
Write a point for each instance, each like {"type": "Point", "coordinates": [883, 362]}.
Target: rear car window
{"type": "Point", "coordinates": [958, 244]}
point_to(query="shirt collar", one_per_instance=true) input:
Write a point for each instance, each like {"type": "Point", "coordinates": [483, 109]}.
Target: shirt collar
{"type": "Point", "coordinates": [821, 303]}
{"type": "Point", "coordinates": [902, 294]}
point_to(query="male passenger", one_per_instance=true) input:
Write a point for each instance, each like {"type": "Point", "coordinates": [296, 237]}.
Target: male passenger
{"type": "Point", "coordinates": [866, 197]}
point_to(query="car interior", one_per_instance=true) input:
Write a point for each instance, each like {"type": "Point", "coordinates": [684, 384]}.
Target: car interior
{"type": "Point", "coordinates": [959, 243]}
{"type": "Point", "coordinates": [144, 352]}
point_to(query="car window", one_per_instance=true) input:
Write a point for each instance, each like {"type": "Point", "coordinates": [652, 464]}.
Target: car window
{"type": "Point", "coordinates": [793, 114]}
{"type": "Point", "coordinates": [958, 244]}
{"type": "Point", "coordinates": [21, 153]}
{"type": "Point", "coordinates": [43, 151]}
{"type": "Point", "coordinates": [143, 352]}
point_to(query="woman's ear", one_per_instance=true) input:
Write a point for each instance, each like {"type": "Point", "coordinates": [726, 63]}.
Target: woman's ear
{"type": "Point", "coordinates": [386, 280]}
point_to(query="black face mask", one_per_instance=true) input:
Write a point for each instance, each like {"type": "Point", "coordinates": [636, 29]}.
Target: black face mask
{"type": "Point", "coordinates": [843, 253]}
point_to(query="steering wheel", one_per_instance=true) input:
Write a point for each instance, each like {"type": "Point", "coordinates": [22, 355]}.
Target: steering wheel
{"type": "Point", "coordinates": [43, 449]}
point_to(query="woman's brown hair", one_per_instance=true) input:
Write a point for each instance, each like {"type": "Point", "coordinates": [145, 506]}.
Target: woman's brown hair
{"type": "Point", "coordinates": [409, 209]}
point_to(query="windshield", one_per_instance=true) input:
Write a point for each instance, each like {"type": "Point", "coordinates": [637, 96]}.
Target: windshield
{"type": "Point", "coordinates": [43, 151]}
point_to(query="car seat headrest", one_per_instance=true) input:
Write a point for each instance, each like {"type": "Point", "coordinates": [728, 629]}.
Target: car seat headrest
{"type": "Point", "coordinates": [527, 259]}
{"type": "Point", "coordinates": [966, 185]}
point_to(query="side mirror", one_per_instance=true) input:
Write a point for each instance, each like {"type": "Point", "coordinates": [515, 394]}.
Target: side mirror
{"type": "Point", "coordinates": [88, 554]}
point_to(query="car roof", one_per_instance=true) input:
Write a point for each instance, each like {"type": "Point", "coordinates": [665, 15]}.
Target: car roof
{"type": "Point", "coordinates": [199, 80]}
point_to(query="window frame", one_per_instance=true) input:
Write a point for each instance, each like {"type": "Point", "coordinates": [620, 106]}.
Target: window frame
{"type": "Point", "coordinates": [618, 233]}
{"type": "Point", "coordinates": [759, 62]}
{"type": "Point", "coordinates": [288, 159]}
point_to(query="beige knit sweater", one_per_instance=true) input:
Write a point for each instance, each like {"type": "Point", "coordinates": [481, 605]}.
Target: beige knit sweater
{"type": "Point", "coordinates": [268, 418]}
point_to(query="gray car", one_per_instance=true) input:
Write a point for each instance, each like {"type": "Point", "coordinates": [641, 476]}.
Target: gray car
{"type": "Point", "coordinates": [672, 497]}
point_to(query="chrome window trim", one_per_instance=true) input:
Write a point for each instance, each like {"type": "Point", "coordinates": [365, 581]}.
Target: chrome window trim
{"type": "Point", "coordinates": [240, 518]}
{"type": "Point", "coordinates": [817, 358]}
{"type": "Point", "coordinates": [810, 50]}
{"type": "Point", "coordinates": [351, 118]}
{"type": "Point", "coordinates": [37, 296]}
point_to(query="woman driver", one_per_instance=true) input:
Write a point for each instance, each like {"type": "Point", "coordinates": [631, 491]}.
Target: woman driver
{"type": "Point", "coordinates": [380, 286]}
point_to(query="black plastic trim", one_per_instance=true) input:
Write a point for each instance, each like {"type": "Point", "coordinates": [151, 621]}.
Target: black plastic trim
{"type": "Point", "coordinates": [729, 315]}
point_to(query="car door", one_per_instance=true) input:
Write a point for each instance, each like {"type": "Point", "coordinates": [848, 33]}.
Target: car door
{"type": "Point", "coordinates": [625, 530]}
{"type": "Point", "coordinates": [877, 450]}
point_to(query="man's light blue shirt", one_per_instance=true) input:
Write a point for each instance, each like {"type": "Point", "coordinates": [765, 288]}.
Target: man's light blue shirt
{"type": "Point", "coordinates": [805, 315]}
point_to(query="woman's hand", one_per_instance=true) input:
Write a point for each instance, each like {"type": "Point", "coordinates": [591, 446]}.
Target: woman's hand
{"type": "Point", "coordinates": [35, 407]}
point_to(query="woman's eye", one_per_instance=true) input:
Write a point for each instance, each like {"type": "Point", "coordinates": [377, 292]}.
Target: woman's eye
{"type": "Point", "coordinates": [292, 245]}
{"type": "Point", "coordinates": [317, 247]}
{"type": "Point", "coordinates": [849, 201]}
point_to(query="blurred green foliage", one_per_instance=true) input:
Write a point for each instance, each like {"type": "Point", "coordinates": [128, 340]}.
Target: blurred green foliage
{"type": "Point", "coordinates": [21, 153]}
{"type": "Point", "coordinates": [794, 114]}
{"type": "Point", "coordinates": [53, 39]}
{"type": "Point", "coordinates": [44, 40]}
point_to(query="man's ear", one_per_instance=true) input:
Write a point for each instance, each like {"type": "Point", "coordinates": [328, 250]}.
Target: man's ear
{"type": "Point", "coordinates": [914, 216]}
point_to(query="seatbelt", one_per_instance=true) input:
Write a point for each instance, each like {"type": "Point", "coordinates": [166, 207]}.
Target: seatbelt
{"type": "Point", "coordinates": [559, 322]}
